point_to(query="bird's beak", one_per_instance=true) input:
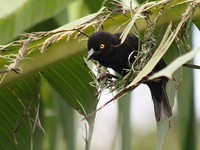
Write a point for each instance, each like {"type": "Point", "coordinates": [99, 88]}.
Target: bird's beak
{"type": "Point", "coordinates": [91, 54]}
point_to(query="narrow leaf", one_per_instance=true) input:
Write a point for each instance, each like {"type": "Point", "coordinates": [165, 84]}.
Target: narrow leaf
{"type": "Point", "coordinates": [177, 63]}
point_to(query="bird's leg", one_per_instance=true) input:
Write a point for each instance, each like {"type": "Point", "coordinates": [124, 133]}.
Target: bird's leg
{"type": "Point", "coordinates": [106, 75]}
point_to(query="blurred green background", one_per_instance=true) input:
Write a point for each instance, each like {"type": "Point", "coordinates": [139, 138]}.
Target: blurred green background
{"type": "Point", "coordinates": [64, 129]}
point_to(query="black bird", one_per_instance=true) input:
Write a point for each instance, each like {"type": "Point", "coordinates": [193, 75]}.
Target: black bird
{"type": "Point", "coordinates": [107, 50]}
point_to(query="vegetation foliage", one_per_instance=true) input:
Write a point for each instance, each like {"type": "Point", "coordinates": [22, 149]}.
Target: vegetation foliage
{"type": "Point", "coordinates": [56, 58]}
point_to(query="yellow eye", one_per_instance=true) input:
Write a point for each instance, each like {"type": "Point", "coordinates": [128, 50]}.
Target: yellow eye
{"type": "Point", "coordinates": [102, 46]}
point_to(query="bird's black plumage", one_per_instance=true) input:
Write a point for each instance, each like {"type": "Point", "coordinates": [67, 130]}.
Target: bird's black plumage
{"type": "Point", "coordinates": [106, 48]}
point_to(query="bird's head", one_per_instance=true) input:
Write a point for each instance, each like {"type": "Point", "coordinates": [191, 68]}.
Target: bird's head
{"type": "Point", "coordinates": [101, 45]}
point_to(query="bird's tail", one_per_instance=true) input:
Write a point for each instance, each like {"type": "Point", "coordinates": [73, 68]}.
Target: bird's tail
{"type": "Point", "coordinates": [160, 99]}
